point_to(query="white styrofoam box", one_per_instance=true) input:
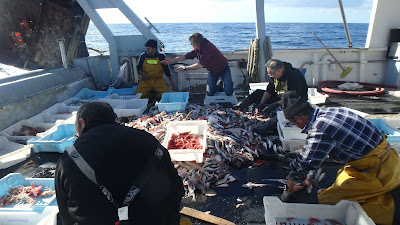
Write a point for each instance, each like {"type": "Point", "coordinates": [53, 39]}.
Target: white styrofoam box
{"type": "Point", "coordinates": [61, 108]}
{"type": "Point", "coordinates": [314, 97]}
{"type": "Point", "coordinates": [173, 101]}
{"type": "Point", "coordinates": [290, 144]}
{"type": "Point", "coordinates": [15, 179]}
{"type": "Point", "coordinates": [114, 103]}
{"type": "Point", "coordinates": [47, 217]}
{"type": "Point", "coordinates": [45, 117]}
{"type": "Point", "coordinates": [73, 102]}
{"type": "Point", "coordinates": [9, 132]}
{"type": "Point", "coordinates": [289, 131]}
{"type": "Point", "coordinates": [133, 107]}
{"type": "Point", "coordinates": [346, 212]}
{"type": "Point", "coordinates": [12, 153]}
{"type": "Point", "coordinates": [258, 86]}
{"type": "Point", "coordinates": [196, 127]}
{"type": "Point", "coordinates": [220, 97]}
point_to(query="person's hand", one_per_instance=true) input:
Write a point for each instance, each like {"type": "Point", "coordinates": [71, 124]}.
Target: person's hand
{"type": "Point", "coordinates": [295, 187]}
{"type": "Point", "coordinates": [166, 61]}
{"type": "Point", "coordinates": [270, 108]}
{"type": "Point", "coordinates": [260, 107]}
{"type": "Point", "coordinates": [180, 69]}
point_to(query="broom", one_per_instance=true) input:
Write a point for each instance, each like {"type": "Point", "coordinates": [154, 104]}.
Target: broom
{"type": "Point", "coordinates": [345, 71]}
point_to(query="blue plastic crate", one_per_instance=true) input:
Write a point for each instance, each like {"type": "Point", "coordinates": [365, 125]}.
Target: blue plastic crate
{"type": "Point", "coordinates": [86, 95]}
{"type": "Point", "coordinates": [57, 141]}
{"type": "Point", "coordinates": [15, 179]}
{"type": "Point", "coordinates": [393, 135]}
{"type": "Point", "coordinates": [173, 101]}
{"type": "Point", "coordinates": [123, 91]}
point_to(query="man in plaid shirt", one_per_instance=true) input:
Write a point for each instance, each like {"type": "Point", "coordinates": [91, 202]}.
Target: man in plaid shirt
{"type": "Point", "coordinates": [371, 175]}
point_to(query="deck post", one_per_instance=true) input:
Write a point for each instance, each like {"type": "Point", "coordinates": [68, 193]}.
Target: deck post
{"type": "Point", "coordinates": [260, 30]}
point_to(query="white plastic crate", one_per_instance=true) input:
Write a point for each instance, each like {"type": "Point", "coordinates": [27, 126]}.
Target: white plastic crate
{"type": "Point", "coordinates": [196, 127]}
{"type": "Point", "coordinates": [56, 141]}
{"type": "Point", "coordinates": [346, 212]}
{"type": "Point", "coordinates": [15, 179]}
{"type": "Point", "coordinates": [47, 217]}
{"type": "Point", "coordinates": [173, 101]}
{"type": "Point", "coordinates": [314, 97]}
{"type": "Point", "coordinates": [256, 86]}
{"type": "Point", "coordinates": [133, 107]}
{"type": "Point", "coordinates": [9, 132]}
{"type": "Point", "coordinates": [45, 117]}
{"type": "Point", "coordinates": [220, 97]}
{"type": "Point", "coordinates": [290, 144]}
{"type": "Point", "coordinates": [12, 153]}
{"type": "Point", "coordinates": [288, 130]}
{"type": "Point", "coordinates": [74, 102]}
{"type": "Point", "coordinates": [61, 109]}
{"type": "Point", "coordinates": [114, 103]}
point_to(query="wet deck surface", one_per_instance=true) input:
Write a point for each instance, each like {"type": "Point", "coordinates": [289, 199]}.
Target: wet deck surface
{"type": "Point", "coordinates": [234, 203]}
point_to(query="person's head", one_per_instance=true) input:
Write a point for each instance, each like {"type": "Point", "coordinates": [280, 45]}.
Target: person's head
{"type": "Point", "coordinates": [196, 40]}
{"type": "Point", "coordinates": [91, 112]}
{"type": "Point", "coordinates": [275, 68]}
{"type": "Point", "coordinates": [151, 46]}
{"type": "Point", "coordinates": [296, 109]}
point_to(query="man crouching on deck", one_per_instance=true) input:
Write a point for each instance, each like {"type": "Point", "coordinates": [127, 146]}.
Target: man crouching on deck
{"type": "Point", "coordinates": [115, 174]}
{"type": "Point", "coordinates": [371, 175]}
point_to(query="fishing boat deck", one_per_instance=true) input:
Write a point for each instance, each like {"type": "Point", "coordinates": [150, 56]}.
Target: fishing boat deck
{"type": "Point", "coordinates": [234, 203]}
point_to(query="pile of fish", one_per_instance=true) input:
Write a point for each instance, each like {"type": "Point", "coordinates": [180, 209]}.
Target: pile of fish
{"type": "Point", "coordinates": [21, 194]}
{"type": "Point", "coordinates": [230, 142]}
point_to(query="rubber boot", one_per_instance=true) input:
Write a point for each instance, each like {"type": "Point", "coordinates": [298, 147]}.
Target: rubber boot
{"type": "Point", "coordinates": [243, 104]}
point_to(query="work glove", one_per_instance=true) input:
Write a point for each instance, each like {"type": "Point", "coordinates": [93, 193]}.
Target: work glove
{"type": "Point", "coordinates": [272, 107]}
{"type": "Point", "coordinates": [260, 107]}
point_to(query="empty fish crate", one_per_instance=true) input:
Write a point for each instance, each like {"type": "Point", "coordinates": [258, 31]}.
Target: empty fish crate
{"type": "Point", "coordinates": [133, 107]}
{"type": "Point", "coordinates": [57, 141]}
{"type": "Point", "coordinates": [86, 95]}
{"type": "Point", "coordinates": [173, 101]}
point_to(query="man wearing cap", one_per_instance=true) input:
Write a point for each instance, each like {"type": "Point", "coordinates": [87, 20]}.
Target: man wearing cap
{"type": "Point", "coordinates": [152, 84]}
{"type": "Point", "coordinates": [210, 58]}
{"type": "Point", "coordinates": [371, 175]}
{"type": "Point", "coordinates": [283, 77]}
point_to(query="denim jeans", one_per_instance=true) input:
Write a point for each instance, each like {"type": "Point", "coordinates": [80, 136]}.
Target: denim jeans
{"type": "Point", "coordinates": [213, 78]}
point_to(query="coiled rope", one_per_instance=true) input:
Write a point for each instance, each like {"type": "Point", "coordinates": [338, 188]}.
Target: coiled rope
{"type": "Point", "coordinates": [253, 70]}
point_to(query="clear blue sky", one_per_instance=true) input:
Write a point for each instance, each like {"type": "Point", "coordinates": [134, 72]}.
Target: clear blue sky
{"type": "Point", "coordinates": [291, 11]}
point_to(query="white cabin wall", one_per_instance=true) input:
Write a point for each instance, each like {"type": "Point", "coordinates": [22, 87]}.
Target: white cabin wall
{"type": "Point", "coordinates": [385, 15]}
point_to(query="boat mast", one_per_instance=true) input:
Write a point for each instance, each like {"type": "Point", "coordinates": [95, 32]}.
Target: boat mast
{"type": "Point", "coordinates": [260, 31]}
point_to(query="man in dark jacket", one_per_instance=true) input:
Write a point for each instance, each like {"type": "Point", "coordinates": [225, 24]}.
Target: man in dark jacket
{"type": "Point", "coordinates": [282, 78]}
{"type": "Point", "coordinates": [118, 155]}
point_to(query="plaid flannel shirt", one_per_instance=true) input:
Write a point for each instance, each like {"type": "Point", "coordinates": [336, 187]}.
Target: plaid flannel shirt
{"type": "Point", "coordinates": [339, 133]}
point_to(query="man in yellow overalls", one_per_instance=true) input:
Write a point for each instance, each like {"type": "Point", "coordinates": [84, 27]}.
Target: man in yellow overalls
{"type": "Point", "coordinates": [152, 84]}
{"type": "Point", "coordinates": [371, 175]}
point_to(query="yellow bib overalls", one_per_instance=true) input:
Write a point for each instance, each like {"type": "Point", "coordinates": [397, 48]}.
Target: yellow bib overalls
{"type": "Point", "coordinates": [155, 86]}
{"type": "Point", "coordinates": [369, 181]}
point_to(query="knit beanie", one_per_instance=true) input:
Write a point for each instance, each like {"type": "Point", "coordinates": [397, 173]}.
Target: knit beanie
{"type": "Point", "coordinates": [292, 104]}
{"type": "Point", "coordinates": [151, 43]}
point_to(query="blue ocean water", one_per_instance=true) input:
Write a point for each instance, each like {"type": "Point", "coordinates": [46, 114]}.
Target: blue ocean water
{"type": "Point", "coordinates": [237, 36]}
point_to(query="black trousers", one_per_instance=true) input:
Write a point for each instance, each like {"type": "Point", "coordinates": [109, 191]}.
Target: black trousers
{"type": "Point", "coordinates": [257, 95]}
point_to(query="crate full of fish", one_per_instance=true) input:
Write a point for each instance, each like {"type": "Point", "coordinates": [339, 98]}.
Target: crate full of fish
{"type": "Point", "coordinates": [24, 130]}
{"type": "Point", "coordinates": [86, 95]}
{"type": "Point", "coordinates": [173, 101]}
{"type": "Point", "coordinates": [186, 140]}
{"type": "Point", "coordinates": [133, 107]}
{"type": "Point", "coordinates": [343, 213]}
{"type": "Point", "coordinates": [56, 141]}
{"type": "Point", "coordinates": [18, 193]}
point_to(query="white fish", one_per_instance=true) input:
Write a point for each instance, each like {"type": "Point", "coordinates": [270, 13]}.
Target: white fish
{"type": "Point", "coordinates": [252, 185]}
